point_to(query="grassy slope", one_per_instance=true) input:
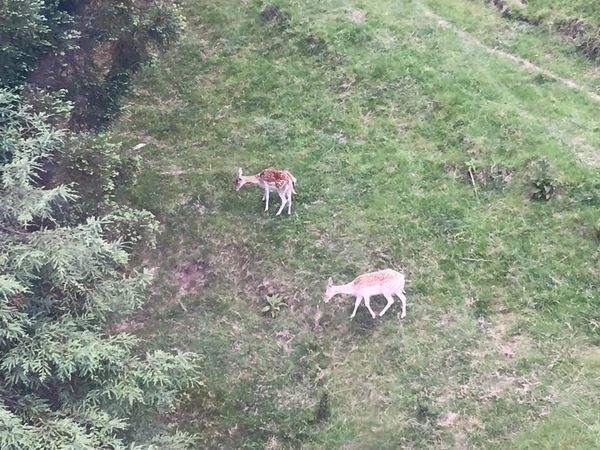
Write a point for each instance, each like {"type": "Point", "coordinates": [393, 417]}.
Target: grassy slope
{"type": "Point", "coordinates": [574, 21]}
{"type": "Point", "coordinates": [538, 44]}
{"type": "Point", "coordinates": [379, 121]}
{"type": "Point", "coordinates": [559, 10]}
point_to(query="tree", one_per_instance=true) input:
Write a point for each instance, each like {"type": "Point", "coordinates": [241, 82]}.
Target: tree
{"type": "Point", "coordinates": [28, 29]}
{"type": "Point", "coordinates": [67, 380]}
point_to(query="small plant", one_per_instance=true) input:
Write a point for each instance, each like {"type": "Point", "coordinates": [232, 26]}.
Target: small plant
{"type": "Point", "coordinates": [323, 410]}
{"type": "Point", "coordinates": [472, 167]}
{"type": "Point", "coordinates": [274, 305]}
{"type": "Point", "coordinates": [542, 180]}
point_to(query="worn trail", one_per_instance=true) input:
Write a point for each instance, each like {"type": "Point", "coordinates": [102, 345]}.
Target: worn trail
{"type": "Point", "coordinates": [442, 22]}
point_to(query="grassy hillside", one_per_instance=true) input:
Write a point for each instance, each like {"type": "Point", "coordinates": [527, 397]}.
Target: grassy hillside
{"type": "Point", "coordinates": [416, 145]}
{"type": "Point", "coordinates": [553, 11]}
{"type": "Point", "coordinates": [577, 21]}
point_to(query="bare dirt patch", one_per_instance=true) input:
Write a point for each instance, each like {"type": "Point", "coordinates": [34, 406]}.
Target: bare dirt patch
{"type": "Point", "coordinates": [503, 340]}
{"type": "Point", "coordinates": [586, 36]}
{"type": "Point", "coordinates": [448, 420]}
{"type": "Point", "coordinates": [590, 159]}
{"type": "Point", "coordinates": [345, 88]}
{"type": "Point", "coordinates": [254, 280]}
{"type": "Point", "coordinates": [507, 12]}
{"type": "Point", "coordinates": [357, 15]}
{"type": "Point", "coordinates": [310, 44]}
{"type": "Point", "coordinates": [128, 325]}
{"type": "Point", "coordinates": [191, 277]}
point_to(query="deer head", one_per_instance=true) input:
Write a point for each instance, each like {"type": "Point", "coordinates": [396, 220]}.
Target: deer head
{"type": "Point", "coordinates": [329, 292]}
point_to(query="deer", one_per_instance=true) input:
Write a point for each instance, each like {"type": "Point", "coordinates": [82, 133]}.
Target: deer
{"type": "Point", "coordinates": [270, 179]}
{"type": "Point", "coordinates": [387, 282]}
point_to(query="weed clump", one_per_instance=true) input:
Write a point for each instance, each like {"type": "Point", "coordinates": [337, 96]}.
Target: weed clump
{"type": "Point", "coordinates": [323, 410]}
{"type": "Point", "coordinates": [274, 15]}
{"type": "Point", "coordinates": [274, 305]}
{"type": "Point", "coordinates": [494, 177]}
{"type": "Point", "coordinates": [509, 13]}
{"type": "Point", "coordinates": [314, 45]}
{"type": "Point", "coordinates": [543, 184]}
{"type": "Point", "coordinates": [585, 35]}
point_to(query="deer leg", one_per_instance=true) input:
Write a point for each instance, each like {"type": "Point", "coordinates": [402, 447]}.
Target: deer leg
{"type": "Point", "coordinates": [358, 300]}
{"type": "Point", "coordinates": [267, 199]}
{"type": "Point", "coordinates": [368, 305]}
{"type": "Point", "coordinates": [390, 302]}
{"type": "Point", "coordinates": [283, 201]}
{"type": "Point", "coordinates": [403, 300]}
{"type": "Point", "coordinates": [289, 195]}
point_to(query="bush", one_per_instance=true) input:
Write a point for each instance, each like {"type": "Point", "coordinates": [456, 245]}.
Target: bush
{"type": "Point", "coordinates": [100, 168]}
{"type": "Point", "coordinates": [96, 166]}
{"type": "Point", "coordinates": [130, 225]}
{"type": "Point", "coordinates": [113, 40]}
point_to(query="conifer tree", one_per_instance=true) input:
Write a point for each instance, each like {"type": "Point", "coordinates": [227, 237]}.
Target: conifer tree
{"type": "Point", "coordinates": [67, 379]}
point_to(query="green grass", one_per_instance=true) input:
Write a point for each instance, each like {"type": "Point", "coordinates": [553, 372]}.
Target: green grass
{"type": "Point", "coordinates": [380, 121]}
{"type": "Point", "coordinates": [560, 9]}
{"type": "Point", "coordinates": [574, 22]}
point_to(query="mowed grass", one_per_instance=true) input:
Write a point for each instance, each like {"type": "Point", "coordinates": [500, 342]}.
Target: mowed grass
{"type": "Point", "coordinates": [383, 115]}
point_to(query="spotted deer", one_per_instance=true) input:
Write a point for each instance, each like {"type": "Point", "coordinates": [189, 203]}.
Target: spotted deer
{"type": "Point", "coordinates": [387, 282]}
{"type": "Point", "coordinates": [270, 179]}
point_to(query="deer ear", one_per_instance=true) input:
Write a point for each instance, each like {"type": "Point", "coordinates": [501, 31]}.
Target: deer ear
{"type": "Point", "coordinates": [329, 282]}
{"type": "Point", "coordinates": [240, 172]}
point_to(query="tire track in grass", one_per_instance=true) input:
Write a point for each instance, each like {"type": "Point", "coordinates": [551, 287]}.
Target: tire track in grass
{"type": "Point", "coordinates": [442, 22]}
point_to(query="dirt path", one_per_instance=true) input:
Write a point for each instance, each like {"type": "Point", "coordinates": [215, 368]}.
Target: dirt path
{"type": "Point", "coordinates": [522, 61]}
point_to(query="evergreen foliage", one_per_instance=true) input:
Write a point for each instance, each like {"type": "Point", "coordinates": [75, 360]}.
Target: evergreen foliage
{"type": "Point", "coordinates": [99, 167]}
{"type": "Point", "coordinates": [88, 48]}
{"type": "Point", "coordinates": [28, 29]}
{"type": "Point", "coordinates": [67, 379]}
{"type": "Point", "coordinates": [114, 39]}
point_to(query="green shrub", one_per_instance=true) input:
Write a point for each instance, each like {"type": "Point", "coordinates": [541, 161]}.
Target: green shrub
{"type": "Point", "coordinates": [99, 168]}
{"type": "Point", "coordinates": [130, 225]}
{"type": "Point", "coordinates": [96, 166]}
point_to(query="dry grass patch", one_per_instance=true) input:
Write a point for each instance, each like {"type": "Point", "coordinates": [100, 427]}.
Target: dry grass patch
{"type": "Point", "coordinates": [357, 15]}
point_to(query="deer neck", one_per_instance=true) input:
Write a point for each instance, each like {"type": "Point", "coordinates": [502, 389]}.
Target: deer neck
{"type": "Point", "coordinates": [250, 179]}
{"type": "Point", "coordinates": [344, 289]}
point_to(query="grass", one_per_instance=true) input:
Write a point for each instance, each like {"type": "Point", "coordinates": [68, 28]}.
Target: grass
{"type": "Point", "coordinates": [561, 9]}
{"type": "Point", "coordinates": [380, 118]}
{"type": "Point", "coordinates": [575, 22]}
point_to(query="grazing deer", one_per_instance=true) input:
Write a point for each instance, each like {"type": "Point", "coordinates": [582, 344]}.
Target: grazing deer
{"type": "Point", "coordinates": [387, 282]}
{"type": "Point", "coordinates": [281, 181]}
